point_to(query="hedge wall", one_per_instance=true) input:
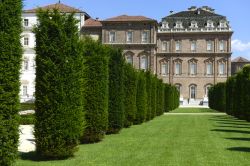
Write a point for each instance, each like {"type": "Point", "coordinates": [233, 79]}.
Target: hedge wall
{"type": "Point", "coordinates": [217, 97]}
{"type": "Point", "coordinates": [148, 108]}
{"type": "Point", "coordinates": [233, 96]}
{"type": "Point", "coordinates": [153, 96]}
{"type": "Point", "coordinates": [160, 98]}
{"type": "Point", "coordinates": [116, 91]}
{"type": "Point", "coordinates": [59, 108]}
{"type": "Point", "coordinates": [141, 99]}
{"type": "Point", "coordinates": [130, 82]}
{"type": "Point", "coordinates": [10, 64]}
{"type": "Point", "coordinates": [95, 94]}
{"type": "Point", "coordinates": [171, 98]}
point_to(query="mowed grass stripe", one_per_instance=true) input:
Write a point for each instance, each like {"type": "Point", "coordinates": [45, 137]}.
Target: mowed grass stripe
{"type": "Point", "coordinates": [167, 140]}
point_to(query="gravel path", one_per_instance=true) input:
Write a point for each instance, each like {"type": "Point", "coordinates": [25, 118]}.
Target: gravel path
{"type": "Point", "coordinates": [26, 138]}
{"type": "Point", "coordinates": [205, 113]}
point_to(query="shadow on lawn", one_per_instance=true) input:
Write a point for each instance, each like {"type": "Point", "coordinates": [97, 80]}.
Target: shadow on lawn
{"type": "Point", "coordinates": [32, 156]}
{"type": "Point", "coordinates": [240, 149]}
{"type": "Point", "coordinates": [239, 139]}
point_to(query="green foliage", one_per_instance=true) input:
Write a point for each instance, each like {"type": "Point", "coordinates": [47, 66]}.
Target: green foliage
{"type": "Point", "coordinates": [95, 94]}
{"type": "Point", "coordinates": [149, 96]}
{"type": "Point", "coordinates": [171, 98]}
{"type": "Point", "coordinates": [59, 104]}
{"type": "Point", "coordinates": [116, 91]}
{"type": "Point", "coordinates": [160, 98]}
{"type": "Point", "coordinates": [27, 106]}
{"type": "Point", "coordinates": [130, 87]}
{"type": "Point", "coordinates": [27, 119]}
{"type": "Point", "coordinates": [153, 95]}
{"type": "Point", "coordinates": [141, 99]}
{"type": "Point", "coordinates": [217, 97]}
{"type": "Point", "coordinates": [10, 64]}
{"type": "Point", "coordinates": [230, 95]}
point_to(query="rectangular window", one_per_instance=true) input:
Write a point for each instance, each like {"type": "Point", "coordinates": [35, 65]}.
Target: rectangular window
{"type": "Point", "coordinates": [145, 38]}
{"type": "Point", "coordinates": [177, 68]}
{"type": "Point", "coordinates": [26, 22]}
{"type": "Point", "coordinates": [26, 41]}
{"type": "Point", "coordinates": [25, 90]}
{"type": "Point", "coordinates": [209, 45]}
{"type": "Point", "coordinates": [221, 69]}
{"type": "Point", "coordinates": [165, 46]}
{"type": "Point", "coordinates": [26, 64]}
{"type": "Point", "coordinates": [164, 69]}
{"type": "Point", "coordinates": [209, 68]}
{"type": "Point", "coordinates": [193, 46]}
{"type": "Point", "coordinates": [129, 37]}
{"type": "Point", "coordinates": [222, 45]}
{"type": "Point", "coordinates": [111, 37]}
{"type": "Point", "coordinates": [193, 68]}
{"type": "Point", "coordinates": [178, 46]}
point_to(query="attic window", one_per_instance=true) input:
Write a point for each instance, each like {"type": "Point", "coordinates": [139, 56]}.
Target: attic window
{"type": "Point", "coordinates": [178, 24]}
{"type": "Point", "coordinates": [193, 24]}
{"type": "Point", "coordinates": [223, 24]}
{"type": "Point", "coordinates": [210, 24]}
{"type": "Point", "coordinates": [165, 24]}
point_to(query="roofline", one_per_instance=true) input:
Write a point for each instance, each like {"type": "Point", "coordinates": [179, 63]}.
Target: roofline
{"type": "Point", "coordinates": [110, 21]}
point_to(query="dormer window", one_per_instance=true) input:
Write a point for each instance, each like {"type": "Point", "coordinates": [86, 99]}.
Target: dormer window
{"type": "Point", "coordinates": [210, 24]}
{"type": "Point", "coordinates": [223, 24]}
{"type": "Point", "coordinates": [164, 24]}
{"type": "Point", "coordinates": [178, 24]}
{"type": "Point", "coordinates": [193, 24]}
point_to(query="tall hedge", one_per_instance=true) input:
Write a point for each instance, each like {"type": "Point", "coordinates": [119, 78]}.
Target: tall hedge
{"type": "Point", "coordinates": [59, 105]}
{"type": "Point", "coordinates": [95, 94]}
{"type": "Point", "coordinates": [230, 95]}
{"type": "Point", "coordinates": [148, 108]}
{"type": "Point", "coordinates": [153, 96]}
{"type": "Point", "coordinates": [10, 64]}
{"type": "Point", "coordinates": [116, 91]}
{"type": "Point", "coordinates": [160, 98]}
{"type": "Point", "coordinates": [217, 97]}
{"type": "Point", "coordinates": [141, 99]}
{"type": "Point", "coordinates": [130, 87]}
{"type": "Point", "coordinates": [171, 98]}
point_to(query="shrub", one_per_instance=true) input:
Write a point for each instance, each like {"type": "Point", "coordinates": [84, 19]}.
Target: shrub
{"type": "Point", "coordinates": [95, 94]}
{"type": "Point", "coordinates": [130, 87]}
{"type": "Point", "coordinates": [59, 108]}
{"type": "Point", "coordinates": [27, 119]}
{"type": "Point", "coordinates": [141, 99]}
{"type": "Point", "coordinates": [149, 96]}
{"type": "Point", "coordinates": [116, 91]}
{"type": "Point", "coordinates": [171, 98]}
{"type": "Point", "coordinates": [10, 60]}
{"type": "Point", "coordinates": [217, 97]}
{"type": "Point", "coordinates": [160, 98]}
{"type": "Point", "coordinates": [153, 96]}
{"type": "Point", "coordinates": [230, 95]}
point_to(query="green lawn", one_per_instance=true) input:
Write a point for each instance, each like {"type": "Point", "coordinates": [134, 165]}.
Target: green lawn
{"type": "Point", "coordinates": [171, 140]}
{"type": "Point", "coordinates": [193, 110]}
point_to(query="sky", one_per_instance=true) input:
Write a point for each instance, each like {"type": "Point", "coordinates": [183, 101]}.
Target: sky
{"type": "Point", "coordinates": [236, 11]}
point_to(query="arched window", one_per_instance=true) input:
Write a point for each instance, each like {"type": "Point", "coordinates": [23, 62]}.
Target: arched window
{"type": "Point", "coordinates": [129, 57]}
{"type": "Point", "coordinates": [207, 89]}
{"type": "Point", "coordinates": [178, 86]}
{"type": "Point", "coordinates": [193, 24]}
{"type": "Point", "coordinates": [143, 62]}
{"type": "Point", "coordinates": [165, 25]}
{"type": "Point", "coordinates": [25, 64]}
{"type": "Point", "coordinates": [193, 91]}
{"type": "Point", "coordinates": [210, 24]}
{"type": "Point", "coordinates": [223, 24]}
{"type": "Point", "coordinates": [178, 25]}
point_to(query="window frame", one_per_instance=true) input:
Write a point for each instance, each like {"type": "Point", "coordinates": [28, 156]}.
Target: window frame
{"type": "Point", "coordinates": [112, 39]}
{"type": "Point", "coordinates": [25, 22]}
{"type": "Point", "coordinates": [147, 37]}
{"type": "Point", "coordinates": [127, 37]}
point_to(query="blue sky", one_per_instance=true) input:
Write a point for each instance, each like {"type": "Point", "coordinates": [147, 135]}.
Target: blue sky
{"type": "Point", "coordinates": [236, 11]}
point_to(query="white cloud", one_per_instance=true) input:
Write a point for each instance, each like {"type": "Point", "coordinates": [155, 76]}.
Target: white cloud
{"type": "Point", "coordinates": [238, 45]}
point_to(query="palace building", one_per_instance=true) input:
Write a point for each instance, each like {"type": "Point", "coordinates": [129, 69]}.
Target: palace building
{"type": "Point", "coordinates": [190, 49]}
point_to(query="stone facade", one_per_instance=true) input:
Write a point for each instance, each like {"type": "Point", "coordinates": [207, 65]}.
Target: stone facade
{"type": "Point", "coordinates": [190, 49]}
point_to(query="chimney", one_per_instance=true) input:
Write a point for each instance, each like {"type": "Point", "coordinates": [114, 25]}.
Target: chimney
{"type": "Point", "coordinates": [192, 8]}
{"type": "Point", "coordinates": [171, 11]}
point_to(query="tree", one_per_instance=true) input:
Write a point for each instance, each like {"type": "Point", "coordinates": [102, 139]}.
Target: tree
{"type": "Point", "coordinates": [130, 87]}
{"type": "Point", "coordinates": [10, 58]}
{"type": "Point", "coordinates": [59, 103]}
{"type": "Point", "coordinates": [95, 94]}
{"type": "Point", "coordinates": [116, 91]}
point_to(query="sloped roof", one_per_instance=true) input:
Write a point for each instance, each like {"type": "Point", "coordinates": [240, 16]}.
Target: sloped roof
{"type": "Point", "coordinates": [60, 6]}
{"type": "Point", "coordinates": [92, 23]}
{"type": "Point", "coordinates": [240, 59]}
{"type": "Point", "coordinates": [129, 18]}
{"type": "Point", "coordinates": [199, 15]}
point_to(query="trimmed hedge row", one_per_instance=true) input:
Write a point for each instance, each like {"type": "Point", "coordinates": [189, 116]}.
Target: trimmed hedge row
{"type": "Point", "coordinates": [233, 97]}
{"type": "Point", "coordinates": [171, 98]}
{"type": "Point", "coordinates": [217, 92]}
{"type": "Point", "coordinates": [59, 94]}
{"type": "Point", "coordinates": [10, 65]}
